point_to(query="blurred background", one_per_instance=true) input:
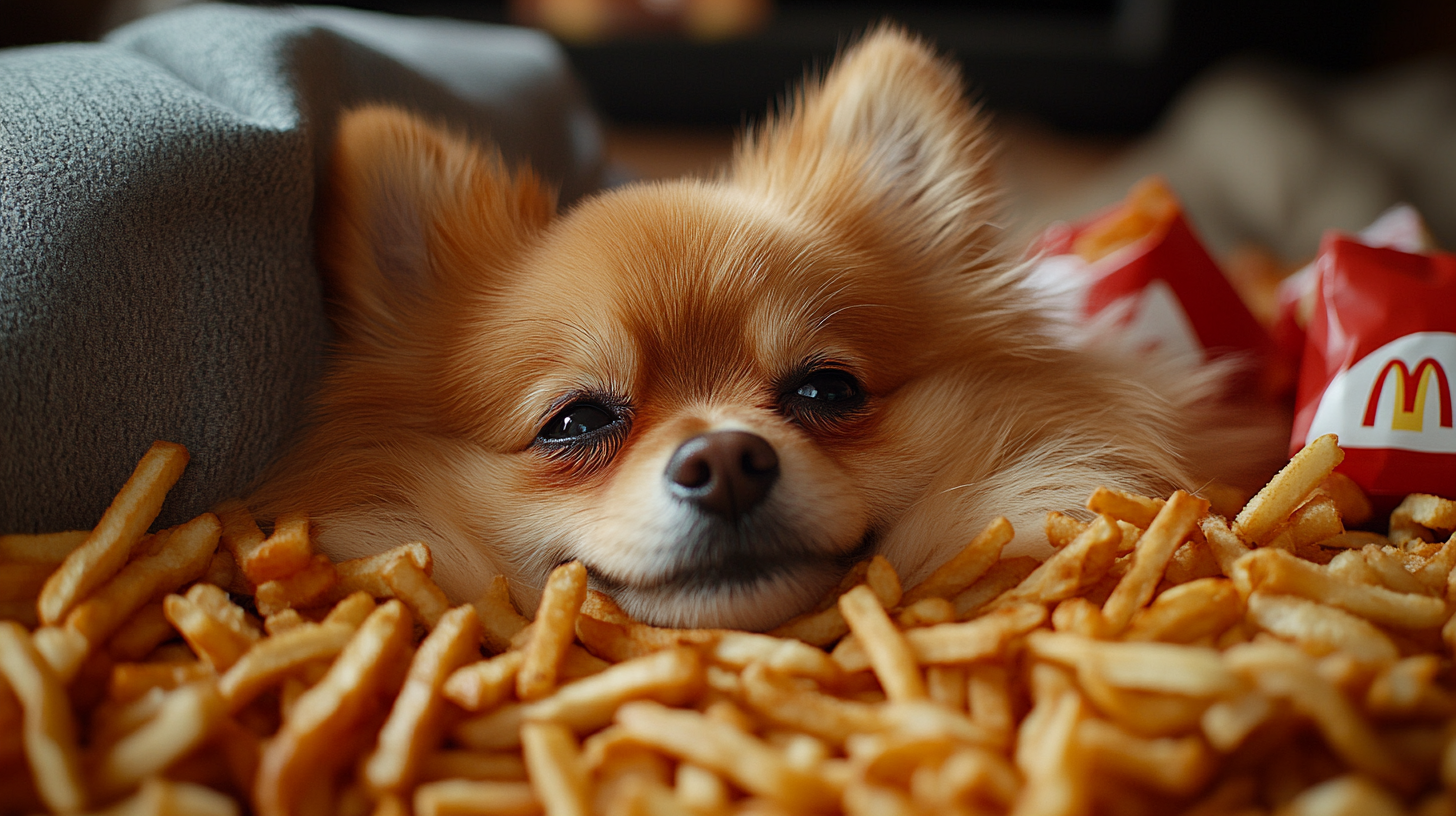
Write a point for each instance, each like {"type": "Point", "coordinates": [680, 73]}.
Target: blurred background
{"type": "Point", "coordinates": [1086, 95]}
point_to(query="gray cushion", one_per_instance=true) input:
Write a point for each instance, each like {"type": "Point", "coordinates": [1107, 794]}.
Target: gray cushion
{"type": "Point", "coordinates": [156, 250]}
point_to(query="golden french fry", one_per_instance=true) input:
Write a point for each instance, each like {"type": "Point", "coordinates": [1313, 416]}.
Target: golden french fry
{"type": "Point", "coordinates": [49, 726]}
{"type": "Point", "coordinates": [1070, 569]}
{"type": "Point", "coordinates": [948, 643]}
{"type": "Point", "coordinates": [1188, 612]}
{"type": "Point", "coordinates": [460, 797]}
{"type": "Point", "coordinates": [287, 551]}
{"type": "Point", "coordinates": [1048, 756]}
{"type": "Point", "coordinates": [485, 683]}
{"type": "Point", "coordinates": [493, 731]}
{"type": "Point", "coordinates": [122, 525]}
{"type": "Point", "coordinates": [553, 630]}
{"type": "Point", "coordinates": [184, 720]}
{"type": "Point", "coordinates": [271, 659]}
{"type": "Point", "coordinates": [498, 616]}
{"type": "Point", "coordinates": [1175, 765]}
{"type": "Point", "coordinates": [1121, 505]}
{"type": "Point", "coordinates": [409, 583]}
{"type": "Point", "coordinates": [1431, 512]}
{"type": "Point", "coordinates": [501, 766]}
{"type": "Point", "coordinates": [182, 558]}
{"type": "Point", "coordinates": [63, 648]}
{"type": "Point", "coordinates": [165, 797]}
{"type": "Point", "coordinates": [1193, 671]}
{"type": "Point", "coordinates": [414, 724]}
{"type": "Point", "coordinates": [1278, 571]}
{"type": "Point", "coordinates": [307, 587]}
{"type": "Point", "coordinates": [311, 738]}
{"type": "Point", "coordinates": [1061, 529]}
{"type": "Point", "coordinates": [966, 566]}
{"type": "Point", "coordinates": [366, 574]}
{"type": "Point", "coordinates": [831, 718]}
{"type": "Point", "coordinates": [883, 644]}
{"type": "Point", "coordinates": [926, 612]}
{"type": "Point", "coordinates": [670, 676]}
{"type": "Point", "coordinates": [555, 766]}
{"type": "Point", "coordinates": [23, 581]}
{"type": "Point", "coordinates": [1289, 488]}
{"type": "Point", "coordinates": [747, 761]}
{"type": "Point", "coordinates": [1284, 672]}
{"type": "Point", "coordinates": [1350, 500]}
{"type": "Point", "coordinates": [1174, 521]}
{"type": "Point", "coordinates": [217, 644]}
{"type": "Point", "coordinates": [1000, 578]}
{"type": "Point", "coordinates": [130, 681]}
{"type": "Point", "coordinates": [40, 548]}
{"type": "Point", "coordinates": [1222, 543]}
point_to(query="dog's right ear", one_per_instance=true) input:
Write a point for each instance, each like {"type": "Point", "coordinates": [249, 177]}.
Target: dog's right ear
{"type": "Point", "coordinates": [414, 213]}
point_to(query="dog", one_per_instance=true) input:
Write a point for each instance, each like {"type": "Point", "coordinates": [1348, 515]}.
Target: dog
{"type": "Point", "coordinates": [717, 395]}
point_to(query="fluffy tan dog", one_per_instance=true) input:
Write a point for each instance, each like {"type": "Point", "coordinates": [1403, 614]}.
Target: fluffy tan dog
{"type": "Point", "coordinates": [717, 395]}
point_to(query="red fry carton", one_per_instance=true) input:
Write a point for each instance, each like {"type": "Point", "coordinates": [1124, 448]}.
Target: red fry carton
{"type": "Point", "coordinates": [1378, 358]}
{"type": "Point", "coordinates": [1137, 272]}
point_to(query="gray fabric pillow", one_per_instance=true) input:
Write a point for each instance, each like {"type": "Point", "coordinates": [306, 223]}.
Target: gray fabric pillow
{"type": "Point", "coordinates": [157, 278]}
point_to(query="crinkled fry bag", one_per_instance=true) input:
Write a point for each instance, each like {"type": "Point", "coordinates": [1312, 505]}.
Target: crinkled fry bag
{"type": "Point", "coordinates": [1378, 361]}
{"type": "Point", "coordinates": [1138, 271]}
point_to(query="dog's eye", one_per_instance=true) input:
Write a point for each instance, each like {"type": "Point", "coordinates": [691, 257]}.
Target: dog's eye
{"type": "Point", "coordinates": [575, 421]}
{"type": "Point", "coordinates": [829, 386]}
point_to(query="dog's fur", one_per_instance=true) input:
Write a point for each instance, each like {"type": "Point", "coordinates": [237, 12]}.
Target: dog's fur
{"type": "Point", "coordinates": [851, 233]}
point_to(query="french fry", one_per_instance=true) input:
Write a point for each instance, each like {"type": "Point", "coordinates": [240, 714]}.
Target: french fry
{"type": "Point", "coordinates": [883, 644]}
{"type": "Point", "coordinates": [366, 574]}
{"type": "Point", "coordinates": [142, 632]}
{"type": "Point", "coordinates": [303, 588]}
{"type": "Point", "coordinates": [414, 724]}
{"type": "Point", "coordinates": [185, 720]}
{"type": "Point", "coordinates": [949, 643]}
{"type": "Point", "coordinates": [1168, 529]}
{"type": "Point", "coordinates": [498, 616]}
{"type": "Point", "coordinates": [748, 762]}
{"type": "Point", "coordinates": [287, 551]}
{"type": "Point", "coordinates": [1070, 569]}
{"type": "Point", "coordinates": [165, 797]}
{"type": "Point", "coordinates": [1061, 529]}
{"type": "Point", "coordinates": [183, 558]}
{"type": "Point", "coordinates": [1178, 766]}
{"type": "Point", "coordinates": [460, 797]}
{"type": "Point", "coordinates": [22, 582]}
{"type": "Point", "coordinates": [501, 766]}
{"type": "Point", "coordinates": [1048, 757]}
{"type": "Point", "coordinates": [557, 773]}
{"type": "Point", "coordinates": [106, 549]}
{"type": "Point", "coordinates": [1289, 488]}
{"type": "Point", "coordinates": [485, 683]}
{"type": "Point", "coordinates": [1283, 672]}
{"type": "Point", "coordinates": [49, 726]}
{"type": "Point", "coordinates": [1121, 505]}
{"type": "Point", "coordinates": [1169, 668]}
{"type": "Point", "coordinates": [40, 548]}
{"type": "Point", "coordinates": [999, 579]}
{"type": "Point", "coordinates": [553, 630]}
{"type": "Point", "coordinates": [1188, 612]}
{"type": "Point", "coordinates": [409, 583]}
{"type": "Point", "coordinates": [217, 644]}
{"type": "Point", "coordinates": [966, 566]}
{"type": "Point", "coordinates": [310, 736]}
{"type": "Point", "coordinates": [271, 659]}
{"type": "Point", "coordinates": [670, 676]}
{"type": "Point", "coordinates": [129, 681]}
{"type": "Point", "coordinates": [1278, 571]}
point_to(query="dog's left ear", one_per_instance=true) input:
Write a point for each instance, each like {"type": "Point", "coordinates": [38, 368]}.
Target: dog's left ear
{"type": "Point", "coordinates": [887, 139]}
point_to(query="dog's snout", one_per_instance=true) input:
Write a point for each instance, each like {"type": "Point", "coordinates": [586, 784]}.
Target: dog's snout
{"type": "Point", "coordinates": [724, 472]}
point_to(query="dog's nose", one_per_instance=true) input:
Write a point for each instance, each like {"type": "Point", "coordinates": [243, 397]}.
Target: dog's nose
{"type": "Point", "coordinates": [723, 472]}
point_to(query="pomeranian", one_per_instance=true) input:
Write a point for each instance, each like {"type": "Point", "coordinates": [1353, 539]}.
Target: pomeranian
{"type": "Point", "coordinates": [717, 395]}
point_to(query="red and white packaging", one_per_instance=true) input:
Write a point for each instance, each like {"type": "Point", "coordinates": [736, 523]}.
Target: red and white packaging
{"type": "Point", "coordinates": [1379, 354]}
{"type": "Point", "coordinates": [1146, 285]}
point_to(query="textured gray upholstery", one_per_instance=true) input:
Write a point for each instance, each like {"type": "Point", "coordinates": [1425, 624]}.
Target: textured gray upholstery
{"type": "Point", "coordinates": [156, 195]}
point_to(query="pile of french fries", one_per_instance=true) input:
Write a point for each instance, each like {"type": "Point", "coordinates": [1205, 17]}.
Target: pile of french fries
{"type": "Point", "coordinates": [1164, 660]}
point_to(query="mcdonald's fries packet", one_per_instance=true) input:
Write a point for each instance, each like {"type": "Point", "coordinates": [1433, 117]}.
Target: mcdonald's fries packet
{"type": "Point", "coordinates": [1137, 275]}
{"type": "Point", "coordinates": [1379, 353]}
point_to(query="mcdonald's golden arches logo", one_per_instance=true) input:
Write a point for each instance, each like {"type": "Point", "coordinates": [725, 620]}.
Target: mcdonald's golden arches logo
{"type": "Point", "coordinates": [1412, 387]}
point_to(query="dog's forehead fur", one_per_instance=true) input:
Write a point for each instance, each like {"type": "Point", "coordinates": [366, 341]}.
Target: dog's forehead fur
{"type": "Point", "coordinates": [687, 292]}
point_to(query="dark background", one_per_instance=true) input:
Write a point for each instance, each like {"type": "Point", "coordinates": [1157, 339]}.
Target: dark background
{"type": "Point", "coordinates": [1079, 66]}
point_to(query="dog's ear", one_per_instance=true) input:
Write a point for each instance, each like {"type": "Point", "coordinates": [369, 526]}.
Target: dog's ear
{"type": "Point", "coordinates": [413, 213]}
{"type": "Point", "coordinates": [886, 139]}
